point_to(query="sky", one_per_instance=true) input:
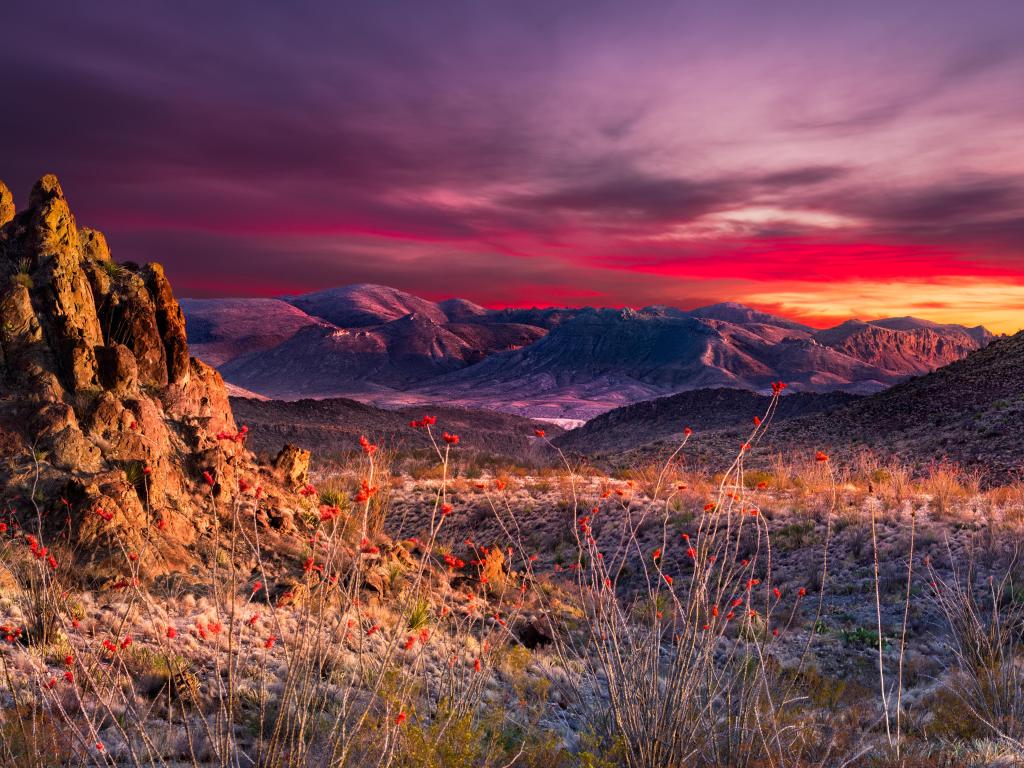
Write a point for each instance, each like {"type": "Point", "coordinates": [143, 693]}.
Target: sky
{"type": "Point", "coordinates": [815, 159]}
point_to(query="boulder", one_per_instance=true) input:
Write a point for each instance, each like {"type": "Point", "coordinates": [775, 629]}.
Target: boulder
{"type": "Point", "coordinates": [292, 466]}
{"type": "Point", "coordinates": [128, 314]}
{"type": "Point", "coordinates": [93, 244]}
{"type": "Point", "coordinates": [118, 371]}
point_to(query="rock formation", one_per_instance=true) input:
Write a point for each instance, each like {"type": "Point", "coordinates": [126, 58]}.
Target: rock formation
{"type": "Point", "coordinates": [292, 466]}
{"type": "Point", "coordinates": [107, 425]}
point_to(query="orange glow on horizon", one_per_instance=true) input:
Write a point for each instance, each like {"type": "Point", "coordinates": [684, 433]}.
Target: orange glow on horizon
{"type": "Point", "coordinates": [999, 306]}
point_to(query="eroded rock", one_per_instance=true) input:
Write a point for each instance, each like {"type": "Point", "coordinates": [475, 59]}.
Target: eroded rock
{"type": "Point", "coordinates": [96, 380]}
{"type": "Point", "coordinates": [292, 466]}
{"type": "Point", "coordinates": [6, 204]}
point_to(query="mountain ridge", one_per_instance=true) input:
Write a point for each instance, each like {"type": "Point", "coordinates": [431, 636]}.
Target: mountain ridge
{"type": "Point", "coordinates": [572, 363]}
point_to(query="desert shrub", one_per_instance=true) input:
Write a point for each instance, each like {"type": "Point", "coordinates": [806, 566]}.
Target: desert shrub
{"type": "Point", "coordinates": [947, 483]}
{"type": "Point", "coordinates": [795, 535]}
{"type": "Point", "coordinates": [987, 640]}
{"type": "Point", "coordinates": [863, 637]}
{"type": "Point", "coordinates": [758, 478]}
{"type": "Point", "coordinates": [419, 615]}
{"type": "Point", "coordinates": [701, 628]}
{"type": "Point", "coordinates": [452, 740]}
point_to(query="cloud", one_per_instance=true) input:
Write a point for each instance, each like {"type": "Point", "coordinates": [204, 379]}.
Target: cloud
{"type": "Point", "coordinates": [637, 197]}
{"type": "Point", "coordinates": [808, 175]}
{"type": "Point", "coordinates": [960, 200]}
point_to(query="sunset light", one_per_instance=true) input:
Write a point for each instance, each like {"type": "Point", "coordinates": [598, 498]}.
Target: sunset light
{"type": "Point", "coordinates": [631, 159]}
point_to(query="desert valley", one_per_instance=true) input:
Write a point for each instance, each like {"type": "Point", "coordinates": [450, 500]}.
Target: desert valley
{"type": "Point", "coordinates": [535, 384]}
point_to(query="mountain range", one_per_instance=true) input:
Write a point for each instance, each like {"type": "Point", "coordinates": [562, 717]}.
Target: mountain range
{"type": "Point", "coordinates": [393, 349]}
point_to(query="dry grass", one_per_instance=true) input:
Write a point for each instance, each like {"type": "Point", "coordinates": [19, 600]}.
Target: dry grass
{"type": "Point", "coordinates": [772, 618]}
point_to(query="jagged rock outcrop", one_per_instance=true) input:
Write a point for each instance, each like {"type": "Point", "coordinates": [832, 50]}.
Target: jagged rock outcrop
{"type": "Point", "coordinates": [99, 396]}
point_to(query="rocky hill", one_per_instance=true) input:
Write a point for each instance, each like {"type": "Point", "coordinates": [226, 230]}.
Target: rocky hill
{"type": "Point", "coordinates": [329, 427]}
{"type": "Point", "coordinates": [665, 418]}
{"type": "Point", "coordinates": [103, 413]}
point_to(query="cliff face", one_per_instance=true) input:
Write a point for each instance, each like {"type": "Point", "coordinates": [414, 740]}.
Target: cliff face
{"type": "Point", "coordinates": [904, 349]}
{"type": "Point", "coordinates": [101, 406]}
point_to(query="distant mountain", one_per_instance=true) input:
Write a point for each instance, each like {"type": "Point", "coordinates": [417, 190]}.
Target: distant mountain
{"type": "Point", "coordinates": [541, 318]}
{"type": "Point", "coordinates": [365, 304]}
{"type": "Point", "coordinates": [487, 338]}
{"type": "Point", "coordinates": [324, 360]}
{"type": "Point", "coordinates": [903, 345]}
{"type": "Point", "coordinates": [220, 330]}
{"type": "Point", "coordinates": [731, 312]}
{"type": "Point", "coordinates": [462, 310]}
{"type": "Point", "coordinates": [360, 340]}
{"type": "Point", "coordinates": [602, 359]}
{"type": "Point", "coordinates": [390, 347]}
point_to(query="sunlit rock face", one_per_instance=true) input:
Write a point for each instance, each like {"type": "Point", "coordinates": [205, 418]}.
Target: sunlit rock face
{"type": "Point", "coordinates": [98, 392]}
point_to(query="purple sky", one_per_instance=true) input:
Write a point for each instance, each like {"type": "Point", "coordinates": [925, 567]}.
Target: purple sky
{"type": "Point", "coordinates": [819, 159]}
